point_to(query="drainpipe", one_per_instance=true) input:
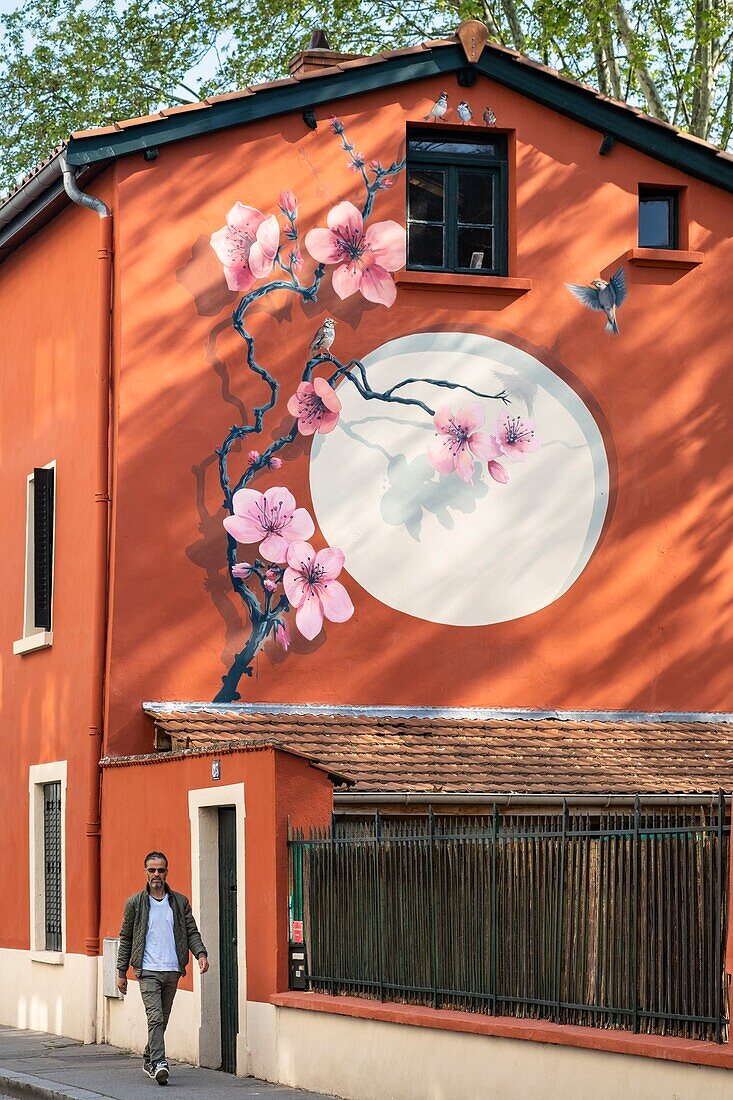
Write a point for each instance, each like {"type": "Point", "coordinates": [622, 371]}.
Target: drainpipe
{"type": "Point", "coordinates": [99, 613]}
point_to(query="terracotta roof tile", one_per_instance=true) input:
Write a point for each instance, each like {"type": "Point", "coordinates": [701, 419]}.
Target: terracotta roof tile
{"type": "Point", "coordinates": [124, 123]}
{"type": "Point", "coordinates": [183, 108]}
{"type": "Point", "coordinates": [93, 131]}
{"type": "Point", "coordinates": [230, 95]}
{"type": "Point", "coordinates": [283, 82]}
{"type": "Point", "coordinates": [404, 51]}
{"type": "Point", "coordinates": [543, 756]}
{"type": "Point", "coordinates": [313, 74]}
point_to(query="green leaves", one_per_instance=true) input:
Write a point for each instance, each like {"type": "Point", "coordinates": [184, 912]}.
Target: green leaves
{"type": "Point", "coordinates": [67, 65]}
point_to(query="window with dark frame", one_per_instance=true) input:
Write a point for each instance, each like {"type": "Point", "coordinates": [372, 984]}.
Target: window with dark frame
{"type": "Point", "coordinates": [43, 503]}
{"type": "Point", "coordinates": [52, 863]}
{"type": "Point", "coordinates": [658, 218]}
{"type": "Point", "coordinates": [456, 202]}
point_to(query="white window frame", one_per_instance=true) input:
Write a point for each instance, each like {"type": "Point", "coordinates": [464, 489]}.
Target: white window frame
{"type": "Point", "coordinates": [38, 774]}
{"type": "Point", "coordinates": [35, 637]}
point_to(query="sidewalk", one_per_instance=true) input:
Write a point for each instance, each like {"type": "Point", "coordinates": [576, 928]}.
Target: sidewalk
{"type": "Point", "coordinates": [33, 1064]}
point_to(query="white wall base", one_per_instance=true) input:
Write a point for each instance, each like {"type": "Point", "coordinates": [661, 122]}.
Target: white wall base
{"type": "Point", "coordinates": [49, 996]}
{"type": "Point", "coordinates": [347, 1057]}
{"type": "Point", "coordinates": [125, 1025]}
{"type": "Point", "coordinates": [372, 1060]}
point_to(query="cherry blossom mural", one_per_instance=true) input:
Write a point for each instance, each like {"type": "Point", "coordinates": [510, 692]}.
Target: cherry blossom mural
{"type": "Point", "coordinates": [284, 581]}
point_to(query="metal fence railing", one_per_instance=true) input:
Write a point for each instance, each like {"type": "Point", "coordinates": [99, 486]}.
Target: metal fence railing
{"type": "Point", "coordinates": [613, 918]}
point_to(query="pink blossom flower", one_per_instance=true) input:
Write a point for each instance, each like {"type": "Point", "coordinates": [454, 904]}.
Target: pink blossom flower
{"type": "Point", "coordinates": [311, 586]}
{"type": "Point", "coordinates": [498, 472]}
{"type": "Point", "coordinates": [375, 166]}
{"type": "Point", "coordinates": [282, 635]}
{"type": "Point", "coordinates": [273, 574]}
{"type": "Point", "coordinates": [274, 463]}
{"type": "Point", "coordinates": [288, 203]}
{"type": "Point", "coordinates": [269, 584]}
{"type": "Point", "coordinates": [357, 162]}
{"type": "Point", "coordinates": [246, 245]}
{"type": "Point", "coordinates": [270, 518]}
{"type": "Point", "coordinates": [364, 258]}
{"type": "Point", "coordinates": [459, 441]}
{"type": "Point", "coordinates": [253, 457]}
{"type": "Point", "coordinates": [316, 407]}
{"type": "Point", "coordinates": [515, 438]}
{"type": "Point", "coordinates": [241, 570]}
{"type": "Point", "coordinates": [296, 259]}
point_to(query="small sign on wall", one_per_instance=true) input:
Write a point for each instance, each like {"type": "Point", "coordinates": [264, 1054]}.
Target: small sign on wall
{"type": "Point", "coordinates": [216, 769]}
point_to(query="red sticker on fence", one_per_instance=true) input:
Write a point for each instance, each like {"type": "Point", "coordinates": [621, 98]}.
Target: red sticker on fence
{"type": "Point", "coordinates": [297, 931]}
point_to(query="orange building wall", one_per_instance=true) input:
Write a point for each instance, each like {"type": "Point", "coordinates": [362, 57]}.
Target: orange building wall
{"type": "Point", "coordinates": [643, 628]}
{"type": "Point", "coordinates": [48, 402]}
{"type": "Point", "coordinates": [147, 805]}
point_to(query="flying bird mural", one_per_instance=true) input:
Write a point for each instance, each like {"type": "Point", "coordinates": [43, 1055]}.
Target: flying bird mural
{"type": "Point", "coordinates": [605, 297]}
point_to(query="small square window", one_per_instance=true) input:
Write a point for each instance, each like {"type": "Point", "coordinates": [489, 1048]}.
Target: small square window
{"type": "Point", "coordinates": [456, 202]}
{"type": "Point", "coordinates": [658, 218]}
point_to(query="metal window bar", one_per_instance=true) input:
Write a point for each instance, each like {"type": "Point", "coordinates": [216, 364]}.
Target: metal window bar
{"type": "Point", "coordinates": [52, 863]}
{"type": "Point", "coordinates": [608, 918]}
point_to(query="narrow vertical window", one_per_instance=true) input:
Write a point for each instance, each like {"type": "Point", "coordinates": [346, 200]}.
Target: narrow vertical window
{"type": "Point", "coordinates": [52, 864]}
{"type": "Point", "coordinates": [658, 218]}
{"type": "Point", "coordinates": [39, 560]}
{"type": "Point", "coordinates": [43, 486]}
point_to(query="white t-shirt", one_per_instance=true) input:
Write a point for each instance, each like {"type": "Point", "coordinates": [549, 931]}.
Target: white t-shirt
{"type": "Point", "coordinates": [160, 946]}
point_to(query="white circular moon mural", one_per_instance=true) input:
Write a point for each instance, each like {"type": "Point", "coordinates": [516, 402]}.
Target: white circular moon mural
{"type": "Point", "coordinates": [431, 545]}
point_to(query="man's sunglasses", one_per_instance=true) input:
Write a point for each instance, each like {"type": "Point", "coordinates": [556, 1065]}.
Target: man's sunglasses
{"type": "Point", "coordinates": [157, 870]}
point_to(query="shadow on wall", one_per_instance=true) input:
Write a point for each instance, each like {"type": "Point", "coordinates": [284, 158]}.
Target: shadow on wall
{"type": "Point", "coordinates": [651, 600]}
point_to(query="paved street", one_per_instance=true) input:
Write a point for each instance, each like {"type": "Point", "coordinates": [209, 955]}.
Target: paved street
{"type": "Point", "coordinates": [33, 1064]}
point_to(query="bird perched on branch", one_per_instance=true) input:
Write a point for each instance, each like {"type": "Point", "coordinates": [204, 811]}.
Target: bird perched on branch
{"type": "Point", "coordinates": [438, 109]}
{"type": "Point", "coordinates": [489, 117]}
{"type": "Point", "coordinates": [464, 112]}
{"type": "Point", "coordinates": [324, 337]}
{"type": "Point", "coordinates": [606, 297]}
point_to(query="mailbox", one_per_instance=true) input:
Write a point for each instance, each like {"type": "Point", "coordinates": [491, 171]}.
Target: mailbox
{"type": "Point", "coordinates": [298, 966]}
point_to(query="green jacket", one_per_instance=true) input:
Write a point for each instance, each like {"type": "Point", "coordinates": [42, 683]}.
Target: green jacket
{"type": "Point", "coordinates": [135, 929]}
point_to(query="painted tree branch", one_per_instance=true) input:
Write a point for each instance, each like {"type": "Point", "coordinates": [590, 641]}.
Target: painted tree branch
{"type": "Point", "coordinates": [266, 609]}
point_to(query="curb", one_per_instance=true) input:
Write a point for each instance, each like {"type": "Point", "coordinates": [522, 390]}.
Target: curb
{"type": "Point", "coordinates": [23, 1086]}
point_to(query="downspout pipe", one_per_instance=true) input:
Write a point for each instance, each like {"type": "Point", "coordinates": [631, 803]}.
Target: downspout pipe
{"type": "Point", "coordinates": [99, 612]}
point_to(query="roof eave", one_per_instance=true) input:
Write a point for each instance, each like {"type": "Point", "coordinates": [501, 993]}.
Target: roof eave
{"type": "Point", "coordinates": [582, 104]}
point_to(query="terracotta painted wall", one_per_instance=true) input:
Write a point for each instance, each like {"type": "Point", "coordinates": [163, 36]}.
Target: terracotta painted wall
{"type": "Point", "coordinates": [148, 806]}
{"type": "Point", "coordinates": [48, 359]}
{"type": "Point", "coordinates": [644, 627]}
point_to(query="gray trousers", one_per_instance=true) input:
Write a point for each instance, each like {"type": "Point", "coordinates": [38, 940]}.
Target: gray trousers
{"type": "Point", "coordinates": [157, 988]}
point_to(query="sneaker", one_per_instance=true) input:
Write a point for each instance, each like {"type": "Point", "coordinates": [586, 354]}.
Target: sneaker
{"type": "Point", "coordinates": [161, 1073]}
{"type": "Point", "coordinates": [149, 1069]}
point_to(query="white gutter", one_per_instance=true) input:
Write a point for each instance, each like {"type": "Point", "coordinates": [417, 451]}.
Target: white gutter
{"type": "Point", "coordinates": [443, 798]}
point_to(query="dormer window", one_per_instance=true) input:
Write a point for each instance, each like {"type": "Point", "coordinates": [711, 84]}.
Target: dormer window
{"type": "Point", "coordinates": [456, 202]}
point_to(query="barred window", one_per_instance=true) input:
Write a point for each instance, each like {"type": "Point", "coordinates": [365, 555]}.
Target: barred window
{"type": "Point", "coordinates": [52, 863]}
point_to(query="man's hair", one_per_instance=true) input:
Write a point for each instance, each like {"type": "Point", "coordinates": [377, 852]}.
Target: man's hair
{"type": "Point", "coordinates": [156, 855]}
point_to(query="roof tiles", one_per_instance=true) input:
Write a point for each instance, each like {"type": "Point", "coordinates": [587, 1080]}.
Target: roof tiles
{"type": "Point", "coordinates": [543, 756]}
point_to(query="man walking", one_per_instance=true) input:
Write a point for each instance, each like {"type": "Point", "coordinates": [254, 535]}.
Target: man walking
{"type": "Point", "coordinates": [158, 931]}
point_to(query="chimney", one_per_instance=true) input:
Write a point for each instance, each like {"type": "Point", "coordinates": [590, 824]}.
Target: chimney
{"type": "Point", "coordinates": [318, 55]}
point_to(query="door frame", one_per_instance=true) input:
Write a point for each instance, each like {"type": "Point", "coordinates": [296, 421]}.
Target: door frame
{"type": "Point", "coordinates": [203, 806]}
